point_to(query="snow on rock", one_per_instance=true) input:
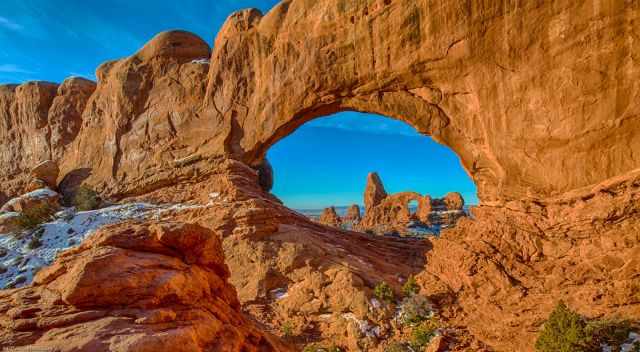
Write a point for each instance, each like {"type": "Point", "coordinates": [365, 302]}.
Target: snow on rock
{"type": "Point", "coordinates": [631, 343]}
{"type": "Point", "coordinates": [40, 193]}
{"type": "Point", "coordinates": [365, 327]}
{"type": "Point", "coordinates": [279, 293]}
{"type": "Point", "coordinates": [22, 254]}
{"type": "Point", "coordinates": [202, 61]}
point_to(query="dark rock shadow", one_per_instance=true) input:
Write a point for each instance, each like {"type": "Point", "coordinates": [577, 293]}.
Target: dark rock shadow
{"type": "Point", "coordinates": [71, 182]}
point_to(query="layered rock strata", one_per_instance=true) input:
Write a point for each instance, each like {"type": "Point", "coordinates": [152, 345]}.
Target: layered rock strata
{"type": "Point", "coordinates": [539, 101]}
{"type": "Point", "coordinates": [133, 287]}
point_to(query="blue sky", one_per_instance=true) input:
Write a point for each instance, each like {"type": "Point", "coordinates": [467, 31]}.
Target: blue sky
{"type": "Point", "coordinates": [325, 162]}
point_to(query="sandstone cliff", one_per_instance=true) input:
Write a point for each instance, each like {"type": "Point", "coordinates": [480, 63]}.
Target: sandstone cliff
{"type": "Point", "coordinates": [539, 99]}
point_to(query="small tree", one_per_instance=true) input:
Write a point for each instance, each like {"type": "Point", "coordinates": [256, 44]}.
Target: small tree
{"type": "Point", "coordinates": [287, 329]}
{"type": "Point", "coordinates": [410, 287]}
{"type": "Point", "coordinates": [86, 199]}
{"type": "Point", "coordinates": [422, 335]}
{"type": "Point", "coordinates": [564, 331]}
{"type": "Point", "coordinates": [383, 292]}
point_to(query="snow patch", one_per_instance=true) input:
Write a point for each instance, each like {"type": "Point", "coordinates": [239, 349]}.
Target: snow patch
{"type": "Point", "coordinates": [201, 61]}
{"type": "Point", "coordinates": [40, 193]}
{"type": "Point", "coordinates": [365, 327]}
{"type": "Point", "coordinates": [279, 293]}
{"type": "Point", "coordinates": [22, 254]}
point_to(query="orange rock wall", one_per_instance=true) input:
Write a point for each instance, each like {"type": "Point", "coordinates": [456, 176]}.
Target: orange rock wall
{"type": "Point", "coordinates": [536, 99]}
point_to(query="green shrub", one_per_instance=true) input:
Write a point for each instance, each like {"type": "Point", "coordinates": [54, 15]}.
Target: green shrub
{"type": "Point", "coordinates": [287, 329]}
{"type": "Point", "coordinates": [34, 216]}
{"type": "Point", "coordinates": [318, 348]}
{"type": "Point", "coordinates": [415, 309]}
{"type": "Point", "coordinates": [383, 292]}
{"type": "Point", "coordinates": [422, 335]}
{"type": "Point", "coordinates": [34, 243]}
{"type": "Point", "coordinates": [410, 287]}
{"type": "Point", "coordinates": [610, 332]}
{"type": "Point", "coordinates": [397, 347]}
{"type": "Point", "coordinates": [564, 331]}
{"type": "Point", "coordinates": [86, 199]}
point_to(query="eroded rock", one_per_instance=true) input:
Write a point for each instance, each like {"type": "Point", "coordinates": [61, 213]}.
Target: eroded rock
{"type": "Point", "coordinates": [174, 296]}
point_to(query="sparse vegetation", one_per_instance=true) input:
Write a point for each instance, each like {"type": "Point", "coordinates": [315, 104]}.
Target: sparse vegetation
{"type": "Point", "coordinates": [318, 348]}
{"type": "Point", "coordinates": [17, 281]}
{"type": "Point", "coordinates": [86, 199]}
{"type": "Point", "coordinates": [34, 216]}
{"type": "Point", "coordinates": [397, 347]}
{"type": "Point", "coordinates": [383, 292]}
{"type": "Point", "coordinates": [414, 310]}
{"type": "Point", "coordinates": [34, 243]}
{"type": "Point", "coordinates": [422, 334]}
{"type": "Point", "coordinates": [410, 287]}
{"type": "Point", "coordinates": [564, 331]}
{"type": "Point", "coordinates": [287, 329]}
{"type": "Point", "coordinates": [567, 331]}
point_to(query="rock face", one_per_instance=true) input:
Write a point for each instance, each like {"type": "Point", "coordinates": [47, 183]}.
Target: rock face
{"type": "Point", "coordinates": [516, 134]}
{"type": "Point", "coordinates": [374, 192]}
{"type": "Point", "coordinates": [453, 201]}
{"type": "Point", "coordinates": [38, 198]}
{"type": "Point", "coordinates": [47, 171]}
{"type": "Point", "coordinates": [539, 101]}
{"type": "Point", "coordinates": [174, 296]}
{"type": "Point", "coordinates": [353, 215]}
{"type": "Point", "coordinates": [392, 213]}
{"type": "Point", "coordinates": [330, 217]}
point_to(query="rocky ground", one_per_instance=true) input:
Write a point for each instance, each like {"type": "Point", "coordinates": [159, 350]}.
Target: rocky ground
{"type": "Point", "coordinates": [538, 99]}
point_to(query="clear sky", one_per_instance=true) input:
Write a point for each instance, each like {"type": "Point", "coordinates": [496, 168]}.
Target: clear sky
{"type": "Point", "coordinates": [325, 162]}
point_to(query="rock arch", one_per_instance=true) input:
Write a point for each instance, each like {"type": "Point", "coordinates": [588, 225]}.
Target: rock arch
{"type": "Point", "coordinates": [509, 87]}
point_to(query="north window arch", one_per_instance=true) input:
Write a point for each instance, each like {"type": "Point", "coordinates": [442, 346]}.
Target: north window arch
{"type": "Point", "coordinates": [324, 162]}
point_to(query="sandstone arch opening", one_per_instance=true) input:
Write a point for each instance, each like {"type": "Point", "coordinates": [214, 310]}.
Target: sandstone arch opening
{"type": "Point", "coordinates": [321, 170]}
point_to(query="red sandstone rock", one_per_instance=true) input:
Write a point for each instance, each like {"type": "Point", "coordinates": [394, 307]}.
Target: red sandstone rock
{"type": "Point", "coordinates": [374, 192]}
{"type": "Point", "coordinates": [453, 201]}
{"type": "Point", "coordinates": [353, 215]}
{"type": "Point", "coordinates": [47, 171]}
{"type": "Point", "coordinates": [9, 222]}
{"type": "Point", "coordinates": [330, 217]}
{"type": "Point", "coordinates": [544, 124]}
{"type": "Point", "coordinates": [37, 198]}
{"type": "Point", "coordinates": [174, 296]}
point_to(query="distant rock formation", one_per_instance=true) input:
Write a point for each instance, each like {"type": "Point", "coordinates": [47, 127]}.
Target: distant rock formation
{"type": "Point", "coordinates": [330, 217]}
{"type": "Point", "coordinates": [374, 192]}
{"type": "Point", "coordinates": [353, 215]}
{"type": "Point", "coordinates": [391, 213]}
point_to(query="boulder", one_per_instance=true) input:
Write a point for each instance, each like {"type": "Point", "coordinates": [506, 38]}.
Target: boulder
{"type": "Point", "coordinates": [37, 198]}
{"type": "Point", "coordinates": [9, 222]}
{"type": "Point", "coordinates": [265, 175]}
{"type": "Point", "coordinates": [47, 171]}
{"type": "Point", "coordinates": [174, 296]}
{"type": "Point", "coordinates": [453, 201]}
